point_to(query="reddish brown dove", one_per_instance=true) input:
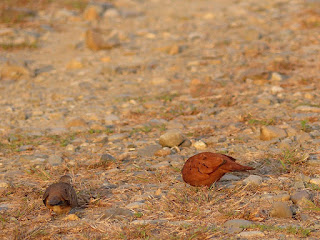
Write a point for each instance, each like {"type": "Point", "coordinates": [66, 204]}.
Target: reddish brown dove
{"type": "Point", "coordinates": [205, 168]}
{"type": "Point", "coordinates": [60, 197]}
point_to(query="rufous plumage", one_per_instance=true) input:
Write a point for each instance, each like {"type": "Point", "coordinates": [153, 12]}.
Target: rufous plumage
{"type": "Point", "coordinates": [206, 168]}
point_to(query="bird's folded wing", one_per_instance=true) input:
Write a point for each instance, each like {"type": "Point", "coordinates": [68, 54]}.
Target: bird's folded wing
{"type": "Point", "coordinates": [228, 157]}
{"type": "Point", "coordinates": [208, 165]}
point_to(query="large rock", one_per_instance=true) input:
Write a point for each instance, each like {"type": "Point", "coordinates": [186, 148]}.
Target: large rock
{"type": "Point", "coordinates": [281, 210]}
{"type": "Point", "coordinates": [269, 132]}
{"type": "Point", "coordinates": [171, 138]}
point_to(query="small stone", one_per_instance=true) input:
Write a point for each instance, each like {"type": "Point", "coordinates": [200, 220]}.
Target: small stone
{"type": "Point", "coordinates": [111, 119]}
{"type": "Point", "coordinates": [200, 145]}
{"type": "Point", "coordinates": [135, 205]}
{"type": "Point", "coordinates": [175, 49]}
{"type": "Point", "coordinates": [269, 132]}
{"type": "Point", "coordinates": [276, 89]}
{"type": "Point", "coordinates": [3, 184]}
{"type": "Point", "coordinates": [285, 143]}
{"type": "Point", "coordinates": [176, 162]}
{"type": "Point", "coordinates": [149, 150]}
{"type": "Point", "coordinates": [107, 158]}
{"type": "Point", "coordinates": [315, 181]}
{"type": "Point", "coordinates": [304, 137]}
{"type": "Point", "coordinates": [186, 143]}
{"type": "Point", "coordinates": [101, 138]}
{"type": "Point", "coordinates": [299, 185]}
{"type": "Point", "coordinates": [302, 177]}
{"type": "Point", "coordinates": [76, 122]}
{"type": "Point", "coordinates": [4, 207]}
{"type": "Point", "coordinates": [276, 77]}
{"type": "Point", "coordinates": [91, 13]}
{"type": "Point", "coordinates": [308, 96]}
{"type": "Point", "coordinates": [71, 217]}
{"type": "Point", "coordinates": [291, 131]}
{"type": "Point", "coordinates": [55, 160]}
{"type": "Point", "coordinates": [281, 210]}
{"type": "Point", "coordinates": [117, 137]}
{"type": "Point", "coordinates": [111, 13]}
{"type": "Point", "coordinates": [97, 39]}
{"type": "Point", "coordinates": [251, 234]}
{"type": "Point", "coordinates": [253, 180]}
{"type": "Point", "coordinates": [70, 148]}
{"type": "Point", "coordinates": [171, 138]}
{"type": "Point", "coordinates": [74, 64]}
{"type": "Point", "coordinates": [57, 131]}
{"type": "Point", "coordinates": [144, 222]}
{"type": "Point", "coordinates": [161, 165]}
{"type": "Point", "coordinates": [304, 217]}
{"type": "Point", "coordinates": [26, 148]}
{"type": "Point", "coordinates": [14, 71]}
{"type": "Point", "coordinates": [236, 225]}
{"type": "Point", "coordinates": [158, 192]}
{"type": "Point", "coordinates": [117, 213]}
{"type": "Point", "coordinates": [299, 195]}
{"type": "Point", "coordinates": [163, 152]}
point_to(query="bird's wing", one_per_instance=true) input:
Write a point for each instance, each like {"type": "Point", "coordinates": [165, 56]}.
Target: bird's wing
{"type": "Point", "coordinates": [207, 164]}
{"type": "Point", "coordinates": [69, 195]}
{"type": "Point", "coordinates": [230, 158]}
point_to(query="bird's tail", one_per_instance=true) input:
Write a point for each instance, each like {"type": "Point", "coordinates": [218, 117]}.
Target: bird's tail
{"type": "Point", "coordinates": [238, 167]}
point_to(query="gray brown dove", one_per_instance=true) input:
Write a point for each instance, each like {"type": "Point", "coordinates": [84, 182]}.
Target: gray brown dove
{"type": "Point", "coordinates": [60, 197]}
{"type": "Point", "coordinates": [205, 168]}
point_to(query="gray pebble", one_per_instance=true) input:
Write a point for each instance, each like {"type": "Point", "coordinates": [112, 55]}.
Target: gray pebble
{"type": "Point", "coordinates": [55, 160]}
{"type": "Point", "coordinates": [116, 213]}
{"type": "Point", "coordinates": [4, 207]}
{"type": "Point", "coordinates": [253, 180]}
{"type": "Point", "coordinates": [107, 158]}
{"type": "Point", "coordinates": [160, 165]}
{"type": "Point", "coordinates": [298, 196]}
{"type": "Point", "coordinates": [149, 150]}
{"type": "Point", "coordinates": [236, 225]}
{"type": "Point", "coordinates": [118, 137]}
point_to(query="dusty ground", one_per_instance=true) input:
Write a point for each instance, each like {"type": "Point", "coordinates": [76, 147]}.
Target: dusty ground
{"type": "Point", "coordinates": [217, 71]}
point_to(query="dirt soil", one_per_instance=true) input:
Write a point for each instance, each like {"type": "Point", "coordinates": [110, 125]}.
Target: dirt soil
{"type": "Point", "coordinates": [235, 77]}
